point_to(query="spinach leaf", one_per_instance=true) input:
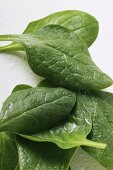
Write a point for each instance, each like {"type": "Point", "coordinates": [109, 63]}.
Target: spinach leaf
{"type": "Point", "coordinates": [21, 87]}
{"type": "Point", "coordinates": [35, 109]}
{"type": "Point", "coordinates": [26, 155]}
{"type": "Point", "coordinates": [101, 107]}
{"type": "Point", "coordinates": [42, 156]}
{"type": "Point", "coordinates": [8, 152]}
{"type": "Point", "coordinates": [85, 25]}
{"type": "Point", "coordinates": [62, 57]}
{"type": "Point", "coordinates": [73, 131]}
{"type": "Point", "coordinates": [45, 155]}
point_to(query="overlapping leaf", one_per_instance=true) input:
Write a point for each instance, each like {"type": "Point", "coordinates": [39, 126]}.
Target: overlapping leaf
{"type": "Point", "coordinates": [85, 25]}
{"type": "Point", "coordinates": [42, 156]}
{"type": "Point", "coordinates": [73, 131]}
{"type": "Point", "coordinates": [35, 109]}
{"type": "Point", "coordinates": [59, 54]}
{"type": "Point", "coordinates": [21, 154]}
{"type": "Point", "coordinates": [62, 57]}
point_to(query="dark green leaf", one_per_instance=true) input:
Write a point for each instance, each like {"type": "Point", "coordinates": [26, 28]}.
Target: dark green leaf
{"type": "Point", "coordinates": [8, 152]}
{"type": "Point", "coordinates": [85, 25]}
{"type": "Point", "coordinates": [101, 107]}
{"type": "Point", "coordinates": [26, 155]}
{"type": "Point", "coordinates": [48, 155]}
{"type": "Point", "coordinates": [42, 156]}
{"type": "Point", "coordinates": [73, 131]}
{"type": "Point", "coordinates": [62, 57]}
{"type": "Point", "coordinates": [31, 110]}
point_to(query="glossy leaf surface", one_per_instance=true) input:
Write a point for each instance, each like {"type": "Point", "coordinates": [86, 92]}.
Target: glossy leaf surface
{"type": "Point", "coordinates": [35, 109]}
{"type": "Point", "coordinates": [43, 148]}
{"type": "Point", "coordinates": [42, 156]}
{"type": "Point", "coordinates": [73, 131]}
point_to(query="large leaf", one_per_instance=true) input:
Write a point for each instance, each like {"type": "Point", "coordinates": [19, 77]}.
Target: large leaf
{"type": "Point", "coordinates": [35, 109]}
{"type": "Point", "coordinates": [31, 155]}
{"type": "Point", "coordinates": [8, 152]}
{"type": "Point", "coordinates": [101, 107]}
{"type": "Point", "coordinates": [73, 131]}
{"type": "Point", "coordinates": [62, 57]}
{"type": "Point", "coordinates": [85, 25]}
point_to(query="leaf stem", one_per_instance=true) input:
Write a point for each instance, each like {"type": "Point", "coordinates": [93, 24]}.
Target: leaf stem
{"type": "Point", "coordinates": [94, 144]}
{"type": "Point", "coordinates": [11, 47]}
{"type": "Point", "coordinates": [7, 37]}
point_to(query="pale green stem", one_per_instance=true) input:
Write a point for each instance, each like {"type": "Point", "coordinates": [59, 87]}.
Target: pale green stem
{"type": "Point", "coordinates": [94, 144]}
{"type": "Point", "coordinates": [11, 47]}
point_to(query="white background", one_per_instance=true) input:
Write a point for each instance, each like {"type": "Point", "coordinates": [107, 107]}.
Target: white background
{"type": "Point", "coordinates": [16, 14]}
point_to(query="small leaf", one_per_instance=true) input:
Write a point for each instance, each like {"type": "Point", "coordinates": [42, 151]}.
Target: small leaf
{"type": "Point", "coordinates": [21, 87]}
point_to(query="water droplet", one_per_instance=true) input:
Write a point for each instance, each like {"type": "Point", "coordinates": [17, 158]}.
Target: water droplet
{"type": "Point", "coordinates": [11, 105]}
{"type": "Point", "coordinates": [87, 121]}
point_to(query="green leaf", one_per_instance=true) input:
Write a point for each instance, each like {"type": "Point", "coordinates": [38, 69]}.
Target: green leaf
{"type": "Point", "coordinates": [101, 107]}
{"type": "Point", "coordinates": [46, 83]}
{"type": "Point", "coordinates": [42, 156]}
{"type": "Point", "coordinates": [62, 57]}
{"type": "Point", "coordinates": [73, 131]}
{"type": "Point", "coordinates": [21, 87]}
{"type": "Point", "coordinates": [52, 152]}
{"type": "Point", "coordinates": [8, 152]}
{"type": "Point", "coordinates": [85, 25]}
{"type": "Point", "coordinates": [26, 155]}
{"type": "Point", "coordinates": [35, 109]}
